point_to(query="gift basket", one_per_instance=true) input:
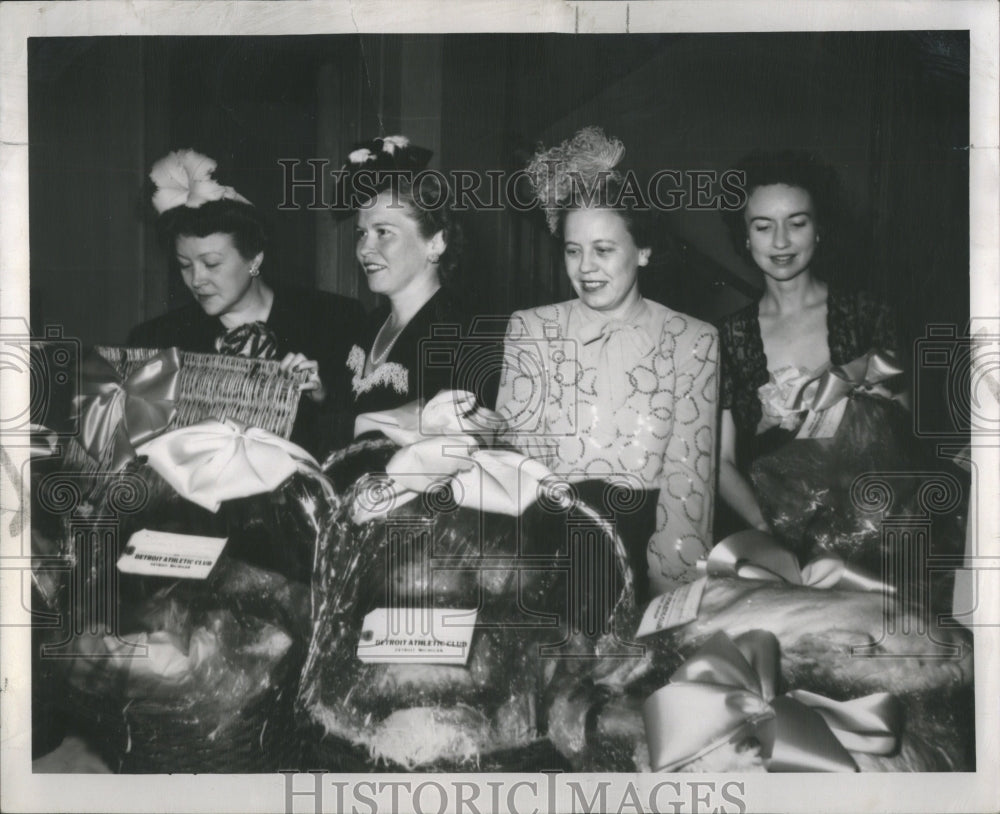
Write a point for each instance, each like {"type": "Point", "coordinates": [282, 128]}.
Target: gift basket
{"type": "Point", "coordinates": [452, 585]}
{"type": "Point", "coordinates": [776, 667]}
{"type": "Point", "coordinates": [853, 464]}
{"type": "Point", "coordinates": [128, 395]}
{"type": "Point", "coordinates": [187, 600]}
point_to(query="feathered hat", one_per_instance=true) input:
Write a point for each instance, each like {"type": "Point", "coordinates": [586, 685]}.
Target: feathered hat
{"type": "Point", "coordinates": [580, 165]}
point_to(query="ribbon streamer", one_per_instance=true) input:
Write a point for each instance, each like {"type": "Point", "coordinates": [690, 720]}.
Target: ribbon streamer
{"type": "Point", "coordinates": [839, 381]}
{"type": "Point", "coordinates": [213, 461]}
{"type": "Point", "coordinates": [620, 342]}
{"type": "Point", "coordinates": [752, 554]}
{"type": "Point", "coordinates": [123, 414]}
{"type": "Point", "coordinates": [726, 692]}
{"type": "Point", "coordinates": [441, 445]}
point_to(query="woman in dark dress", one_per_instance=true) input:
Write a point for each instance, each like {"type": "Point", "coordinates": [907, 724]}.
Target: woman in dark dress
{"type": "Point", "coordinates": [218, 242]}
{"type": "Point", "coordinates": [801, 325]}
{"type": "Point", "coordinates": [408, 245]}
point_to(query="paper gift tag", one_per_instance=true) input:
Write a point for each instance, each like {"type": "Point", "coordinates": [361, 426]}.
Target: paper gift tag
{"type": "Point", "coordinates": [417, 636]}
{"type": "Point", "coordinates": [823, 423]}
{"type": "Point", "coordinates": [164, 554]}
{"type": "Point", "coordinates": [672, 609]}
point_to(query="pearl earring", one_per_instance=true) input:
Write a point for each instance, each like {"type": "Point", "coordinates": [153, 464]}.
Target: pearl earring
{"type": "Point", "coordinates": [434, 258]}
{"type": "Point", "coordinates": [255, 269]}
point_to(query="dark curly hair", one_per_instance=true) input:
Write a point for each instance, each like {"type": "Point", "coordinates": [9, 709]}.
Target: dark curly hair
{"type": "Point", "coordinates": [794, 168]}
{"type": "Point", "coordinates": [239, 220]}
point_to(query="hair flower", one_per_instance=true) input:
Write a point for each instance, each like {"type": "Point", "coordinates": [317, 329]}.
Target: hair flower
{"type": "Point", "coordinates": [390, 143]}
{"type": "Point", "coordinates": [184, 178]}
{"type": "Point", "coordinates": [361, 156]}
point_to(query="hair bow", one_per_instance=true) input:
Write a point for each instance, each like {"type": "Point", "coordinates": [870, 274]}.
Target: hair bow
{"type": "Point", "coordinates": [727, 692]}
{"type": "Point", "coordinates": [184, 178]}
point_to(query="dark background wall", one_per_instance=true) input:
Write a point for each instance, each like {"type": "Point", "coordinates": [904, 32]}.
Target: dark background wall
{"type": "Point", "coordinates": [889, 110]}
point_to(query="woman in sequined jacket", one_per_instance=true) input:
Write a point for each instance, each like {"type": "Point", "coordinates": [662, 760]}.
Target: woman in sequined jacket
{"type": "Point", "coordinates": [611, 388]}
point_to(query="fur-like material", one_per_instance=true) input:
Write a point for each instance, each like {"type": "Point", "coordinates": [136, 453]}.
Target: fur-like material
{"type": "Point", "coordinates": [595, 715]}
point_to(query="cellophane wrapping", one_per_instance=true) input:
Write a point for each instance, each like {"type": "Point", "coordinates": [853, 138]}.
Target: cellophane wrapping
{"type": "Point", "coordinates": [813, 495]}
{"type": "Point", "coordinates": [214, 655]}
{"type": "Point", "coordinates": [481, 715]}
{"type": "Point", "coordinates": [596, 715]}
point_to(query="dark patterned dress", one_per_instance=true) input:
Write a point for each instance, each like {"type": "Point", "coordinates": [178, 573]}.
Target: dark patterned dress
{"type": "Point", "coordinates": [856, 323]}
{"type": "Point", "coordinates": [434, 352]}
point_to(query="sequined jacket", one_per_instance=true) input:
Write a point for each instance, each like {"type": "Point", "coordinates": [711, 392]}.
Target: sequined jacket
{"type": "Point", "coordinates": [653, 421]}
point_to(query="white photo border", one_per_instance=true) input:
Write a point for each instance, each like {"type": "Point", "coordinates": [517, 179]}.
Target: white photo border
{"type": "Point", "coordinates": [23, 791]}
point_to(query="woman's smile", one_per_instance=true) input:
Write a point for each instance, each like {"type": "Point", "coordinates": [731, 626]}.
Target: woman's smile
{"type": "Point", "coordinates": [783, 259]}
{"type": "Point", "coordinates": [781, 230]}
{"type": "Point", "coordinates": [391, 250]}
{"type": "Point", "coordinates": [602, 260]}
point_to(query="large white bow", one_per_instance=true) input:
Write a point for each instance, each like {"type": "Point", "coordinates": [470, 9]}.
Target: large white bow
{"type": "Point", "coordinates": [440, 447]}
{"type": "Point", "coordinates": [213, 461]}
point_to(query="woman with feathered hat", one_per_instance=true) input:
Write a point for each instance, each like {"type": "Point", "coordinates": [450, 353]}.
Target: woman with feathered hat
{"type": "Point", "coordinates": [613, 391]}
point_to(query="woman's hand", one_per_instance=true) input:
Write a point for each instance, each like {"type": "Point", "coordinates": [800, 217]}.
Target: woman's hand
{"type": "Point", "coordinates": [312, 386]}
{"type": "Point", "coordinates": [733, 487]}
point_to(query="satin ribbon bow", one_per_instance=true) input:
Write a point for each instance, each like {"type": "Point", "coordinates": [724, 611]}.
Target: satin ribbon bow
{"type": "Point", "coordinates": [726, 692]}
{"type": "Point", "coordinates": [255, 340]}
{"type": "Point", "coordinates": [124, 414]}
{"type": "Point", "coordinates": [621, 344]}
{"type": "Point", "coordinates": [752, 554]}
{"type": "Point", "coordinates": [440, 446]}
{"type": "Point", "coordinates": [838, 382]}
{"type": "Point", "coordinates": [213, 461]}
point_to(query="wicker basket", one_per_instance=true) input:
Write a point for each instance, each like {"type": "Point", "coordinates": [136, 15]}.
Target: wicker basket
{"type": "Point", "coordinates": [160, 735]}
{"type": "Point", "coordinates": [210, 385]}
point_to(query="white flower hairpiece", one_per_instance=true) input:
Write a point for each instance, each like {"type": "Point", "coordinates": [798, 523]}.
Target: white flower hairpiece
{"type": "Point", "coordinates": [361, 156]}
{"type": "Point", "coordinates": [390, 143]}
{"type": "Point", "coordinates": [184, 178]}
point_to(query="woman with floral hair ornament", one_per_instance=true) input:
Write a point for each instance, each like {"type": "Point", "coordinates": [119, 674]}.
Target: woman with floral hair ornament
{"type": "Point", "coordinates": [611, 390]}
{"type": "Point", "coordinates": [217, 241]}
{"type": "Point", "coordinates": [408, 245]}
